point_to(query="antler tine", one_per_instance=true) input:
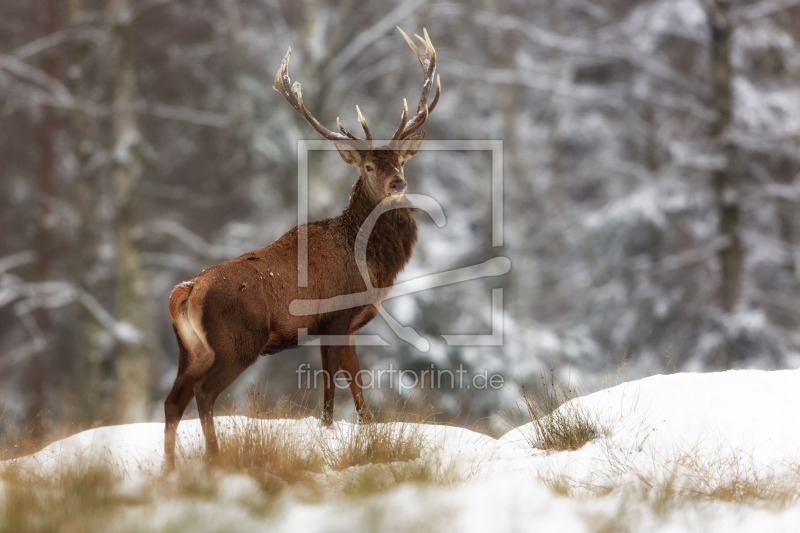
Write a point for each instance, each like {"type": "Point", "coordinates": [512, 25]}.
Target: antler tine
{"type": "Point", "coordinates": [413, 46]}
{"type": "Point", "coordinates": [436, 94]}
{"type": "Point", "coordinates": [403, 121]}
{"type": "Point", "coordinates": [367, 133]}
{"type": "Point", "coordinates": [428, 63]}
{"type": "Point", "coordinates": [350, 135]}
{"type": "Point", "coordinates": [294, 95]}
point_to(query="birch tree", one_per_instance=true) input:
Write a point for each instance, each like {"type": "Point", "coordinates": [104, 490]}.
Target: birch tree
{"type": "Point", "coordinates": [133, 357]}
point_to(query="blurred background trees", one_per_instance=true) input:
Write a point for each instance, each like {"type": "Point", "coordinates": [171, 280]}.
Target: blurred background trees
{"type": "Point", "coordinates": [650, 175]}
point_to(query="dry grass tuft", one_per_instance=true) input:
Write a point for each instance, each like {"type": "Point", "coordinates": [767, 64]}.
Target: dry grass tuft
{"type": "Point", "coordinates": [668, 484]}
{"type": "Point", "coordinates": [393, 434]}
{"type": "Point", "coordinates": [282, 452]}
{"type": "Point", "coordinates": [372, 479]}
{"type": "Point", "coordinates": [260, 448]}
{"type": "Point", "coordinates": [724, 477]}
{"type": "Point", "coordinates": [71, 499]}
{"type": "Point", "coordinates": [265, 444]}
{"type": "Point", "coordinates": [257, 440]}
{"type": "Point", "coordinates": [557, 422]}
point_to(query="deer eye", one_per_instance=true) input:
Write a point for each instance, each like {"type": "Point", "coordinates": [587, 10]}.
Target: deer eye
{"type": "Point", "coordinates": [369, 168]}
{"type": "Point", "coordinates": [402, 163]}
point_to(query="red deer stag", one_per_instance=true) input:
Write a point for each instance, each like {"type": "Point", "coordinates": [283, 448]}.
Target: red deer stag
{"type": "Point", "coordinates": [237, 310]}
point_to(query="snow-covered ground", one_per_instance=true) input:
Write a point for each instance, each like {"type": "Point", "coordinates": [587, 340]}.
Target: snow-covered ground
{"type": "Point", "coordinates": [663, 438]}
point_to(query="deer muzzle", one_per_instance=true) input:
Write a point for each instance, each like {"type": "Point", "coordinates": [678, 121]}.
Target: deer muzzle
{"type": "Point", "coordinates": [398, 187]}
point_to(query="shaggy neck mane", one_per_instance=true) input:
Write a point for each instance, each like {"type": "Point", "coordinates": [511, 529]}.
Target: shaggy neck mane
{"type": "Point", "coordinates": [392, 238]}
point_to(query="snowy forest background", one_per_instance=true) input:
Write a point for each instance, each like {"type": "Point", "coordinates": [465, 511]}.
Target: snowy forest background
{"type": "Point", "coordinates": [650, 168]}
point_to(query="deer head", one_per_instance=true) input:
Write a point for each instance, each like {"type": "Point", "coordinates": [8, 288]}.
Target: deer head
{"type": "Point", "coordinates": [380, 168]}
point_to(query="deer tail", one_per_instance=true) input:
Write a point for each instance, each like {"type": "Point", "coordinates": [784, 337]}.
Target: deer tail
{"type": "Point", "coordinates": [177, 308]}
{"type": "Point", "coordinates": [196, 356]}
{"type": "Point", "coordinates": [178, 298]}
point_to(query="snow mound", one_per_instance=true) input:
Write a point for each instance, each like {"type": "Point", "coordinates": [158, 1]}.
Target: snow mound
{"type": "Point", "coordinates": [647, 430]}
{"type": "Point", "coordinates": [646, 424]}
{"type": "Point", "coordinates": [135, 448]}
{"type": "Point", "coordinates": [742, 413]}
{"type": "Point", "coordinates": [735, 410]}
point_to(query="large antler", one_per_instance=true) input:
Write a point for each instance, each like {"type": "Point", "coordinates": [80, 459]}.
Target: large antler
{"type": "Point", "coordinates": [428, 62]}
{"type": "Point", "coordinates": [294, 95]}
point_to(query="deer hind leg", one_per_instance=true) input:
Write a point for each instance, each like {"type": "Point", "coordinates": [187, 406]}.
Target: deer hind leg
{"type": "Point", "coordinates": [350, 366]}
{"type": "Point", "coordinates": [176, 402]}
{"type": "Point", "coordinates": [222, 373]}
{"type": "Point", "coordinates": [195, 358]}
{"type": "Point", "coordinates": [174, 406]}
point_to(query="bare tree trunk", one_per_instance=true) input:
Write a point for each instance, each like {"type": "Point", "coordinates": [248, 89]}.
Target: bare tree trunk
{"type": "Point", "coordinates": [314, 26]}
{"type": "Point", "coordinates": [556, 204]}
{"type": "Point", "coordinates": [38, 375]}
{"type": "Point", "coordinates": [92, 407]}
{"type": "Point", "coordinates": [787, 214]}
{"type": "Point", "coordinates": [241, 109]}
{"type": "Point", "coordinates": [725, 182]}
{"type": "Point", "coordinates": [133, 357]}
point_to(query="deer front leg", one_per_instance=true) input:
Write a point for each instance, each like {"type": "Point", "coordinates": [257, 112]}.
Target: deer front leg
{"type": "Point", "coordinates": [350, 365]}
{"type": "Point", "coordinates": [331, 358]}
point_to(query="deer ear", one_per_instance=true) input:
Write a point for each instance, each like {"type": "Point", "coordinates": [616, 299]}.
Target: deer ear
{"type": "Point", "coordinates": [349, 155]}
{"type": "Point", "coordinates": [411, 146]}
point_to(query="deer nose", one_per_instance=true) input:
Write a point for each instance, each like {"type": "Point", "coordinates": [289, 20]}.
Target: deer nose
{"type": "Point", "coordinates": [398, 185]}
